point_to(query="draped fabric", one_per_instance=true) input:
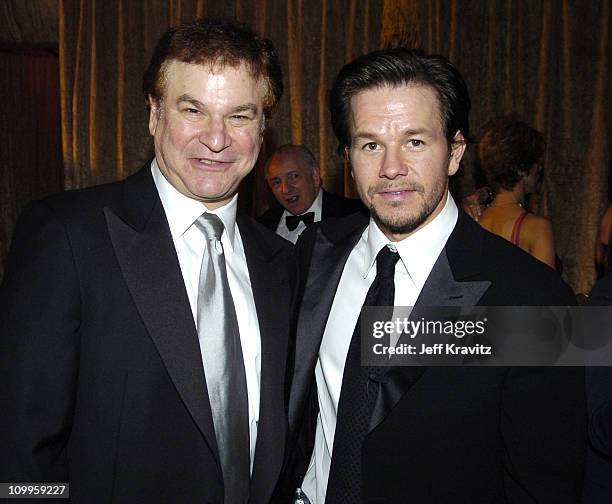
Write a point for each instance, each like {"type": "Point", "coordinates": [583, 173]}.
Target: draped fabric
{"type": "Point", "coordinates": [29, 109]}
{"type": "Point", "coordinates": [547, 61]}
{"type": "Point", "coordinates": [29, 128]}
{"type": "Point", "coordinates": [30, 22]}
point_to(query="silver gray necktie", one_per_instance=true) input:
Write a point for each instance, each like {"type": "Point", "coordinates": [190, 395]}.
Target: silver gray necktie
{"type": "Point", "coordinates": [223, 363]}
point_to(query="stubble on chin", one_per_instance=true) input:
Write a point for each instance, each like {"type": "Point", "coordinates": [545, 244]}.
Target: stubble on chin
{"type": "Point", "coordinates": [398, 219]}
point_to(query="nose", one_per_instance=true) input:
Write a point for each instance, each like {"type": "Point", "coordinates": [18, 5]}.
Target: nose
{"type": "Point", "coordinates": [393, 164]}
{"type": "Point", "coordinates": [285, 186]}
{"type": "Point", "coordinates": [214, 135]}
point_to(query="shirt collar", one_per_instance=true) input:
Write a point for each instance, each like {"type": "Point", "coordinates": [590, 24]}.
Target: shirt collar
{"type": "Point", "coordinates": [316, 207]}
{"type": "Point", "coordinates": [182, 211]}
{"type": "Point", "coordinates": [419, 251]}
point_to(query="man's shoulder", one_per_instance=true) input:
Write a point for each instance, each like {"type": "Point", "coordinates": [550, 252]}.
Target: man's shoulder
{"type": "Point", "coordinates": [339, 206]}
{"type": "Point", "coordinates": [111, 195]}
{"type": "Point", "coordinates": [75, 201]}
{"type": "Point", "coordinates": [271, 217]}
{"type": "Point", "coordinates": [256, 230]}
{"type": "Point", "coordinates": [516, 276]}
{"type": "Point", "coordinates": [83, 212]}
{"type": "Point", "coordinates": [333, 232]}
{"type": "Point", "coordinates": [601, 294]}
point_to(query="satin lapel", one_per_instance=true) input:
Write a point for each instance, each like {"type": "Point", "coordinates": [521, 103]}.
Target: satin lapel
{"type": "Point", "coordinates": [147, 258]}
{"type": "Point", "coordinates": [272, 294]}
{"type": "Point", "coordinates": [440, 289]}
{"type": "Point", "coordinates": [327, 264]}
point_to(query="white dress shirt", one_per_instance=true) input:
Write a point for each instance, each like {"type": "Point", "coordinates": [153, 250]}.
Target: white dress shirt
{"type": "Point", "coordinates": [292, 236]}
{"type": "Point", "coordinates": [418, 254]}
{"type": "Point", "coordinates": [189, 243]}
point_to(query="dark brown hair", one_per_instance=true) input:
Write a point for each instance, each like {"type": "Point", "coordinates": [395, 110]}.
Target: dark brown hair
{"type": "Point", "coordinates": [215, 43]}
{"type": "Point", "coordinates": [507, 150]}
{"type": "Point", "coordinates": [400, 67]}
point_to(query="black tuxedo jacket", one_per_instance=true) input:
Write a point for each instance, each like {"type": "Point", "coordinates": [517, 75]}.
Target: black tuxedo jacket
{"type": "Point", "coordinates": [451, 434]}
{"type": "Point", "coordinates": [101, 372]}
{"type": "Point", "coordinates": [598, 476]}
{"type": "Point", "coordinates": [332, 206]}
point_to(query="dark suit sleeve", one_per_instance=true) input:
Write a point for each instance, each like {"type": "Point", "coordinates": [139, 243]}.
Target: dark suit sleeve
{"type": "Point", "coordinates": [599, 383]}
{"type": "Point", "coordinates": [544, 420]}
{"type": "Point", "coordinates": [599, 387]}
{"type": "Point", "coordinates": [301, 437]}
{"type": "Point", "coordinates": [544, 431]}
{"type": "Point", "coordinates": [601, 294]}
{"type": "Point", "coordinates": [39, 323]}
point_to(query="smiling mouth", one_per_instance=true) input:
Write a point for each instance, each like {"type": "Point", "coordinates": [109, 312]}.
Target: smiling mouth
{"type": "Point", "coordinates": [291, 200]}
{"type": "Point", "coordinates": [210, 165]}
{"type": "Point", "coordinates": [207, 161]}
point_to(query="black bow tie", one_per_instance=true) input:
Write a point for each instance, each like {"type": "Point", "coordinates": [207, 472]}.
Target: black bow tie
{"type": "Point", "coordinates": [292, 221]}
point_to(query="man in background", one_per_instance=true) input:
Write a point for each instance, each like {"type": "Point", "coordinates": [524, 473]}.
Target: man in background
{"type": "Point", "coordinates": [144, 324]}
{"type": "Point", "coordinates": [293, 176]}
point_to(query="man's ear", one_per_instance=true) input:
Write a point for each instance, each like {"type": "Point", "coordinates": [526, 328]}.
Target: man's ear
{"type": "Point", "coordinates": [316, 176]}
{"type": "Point", "coordinates": [262, 129]}
{"type": "Point", "coordinates": [458, 147]}
{"type": "Point", "coordinates": [347, 158]}
{"type": "Point", "coordinates": [154, 113]}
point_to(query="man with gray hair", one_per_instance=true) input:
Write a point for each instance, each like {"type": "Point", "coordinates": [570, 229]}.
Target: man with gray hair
{"type": "Point", "coordinates": [293, 176]}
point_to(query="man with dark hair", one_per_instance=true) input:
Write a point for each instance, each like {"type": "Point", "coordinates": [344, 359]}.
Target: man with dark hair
{"type": "Point", "coordinates": [293, 176]}
{"type": "Point", "coordinates": [144, 324]}
{"type": "Point", "coordinates": [414, 434]}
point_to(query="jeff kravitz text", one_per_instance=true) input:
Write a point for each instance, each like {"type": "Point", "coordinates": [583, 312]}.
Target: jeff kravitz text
{"type": "Point", "coordinates": [435, 349]}
{"type": "Point", "coordinates": [434, 329]}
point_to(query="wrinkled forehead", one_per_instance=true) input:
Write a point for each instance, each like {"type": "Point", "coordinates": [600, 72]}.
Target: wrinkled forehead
{"type": "Point", "coordinates": [283, 163]}
{"type": "Point", "coordinates": [173, 70]}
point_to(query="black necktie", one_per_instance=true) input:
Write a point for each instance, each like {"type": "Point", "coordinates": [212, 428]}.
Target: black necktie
{"type": "Point", "coordinates": [292, 221]}
{"type": "Point", "coordinates": [354, 406]}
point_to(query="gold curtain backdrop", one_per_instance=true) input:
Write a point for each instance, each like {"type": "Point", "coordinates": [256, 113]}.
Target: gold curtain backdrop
{"type": "Point", "coordinates": [545, 60]}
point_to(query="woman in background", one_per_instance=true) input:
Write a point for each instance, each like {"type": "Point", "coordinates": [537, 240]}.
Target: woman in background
{"type": "Point", "coordinates": [603, 251]}
{"type": "Point", "coordinates": [510, 154]}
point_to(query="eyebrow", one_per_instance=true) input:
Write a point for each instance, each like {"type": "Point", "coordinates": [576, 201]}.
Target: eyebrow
{"type": "Point", "coordinates": [246, 107]}
{"type": "Point", "coordinates": [190, 99]}
{"type": "Point", "coordinates": [408, 132]}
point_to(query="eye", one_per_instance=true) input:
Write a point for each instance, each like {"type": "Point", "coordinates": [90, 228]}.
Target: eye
{"type": "Point", "coordinates": [294, 176]}
{"type": "Point", "coordinates": [415, 143]}
{"type": "Point", "coordinates": [370, 147]}
{"type": "Point", "coordinates": [191, 114]}
{"type": "Point", "coordinates": [239, 119]}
